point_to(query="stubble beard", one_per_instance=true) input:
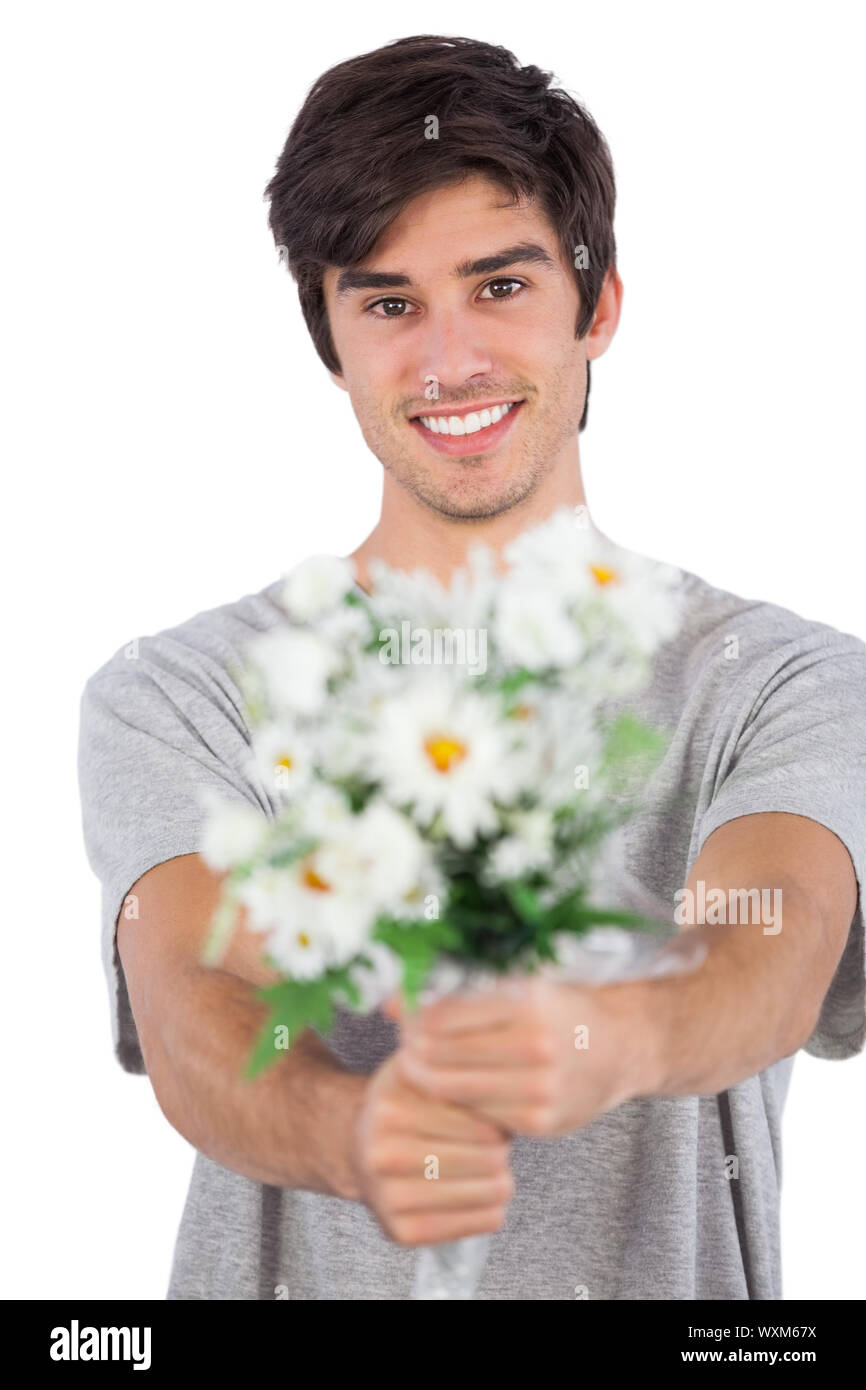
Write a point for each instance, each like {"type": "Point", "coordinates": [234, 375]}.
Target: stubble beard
{"type": "Point", "coordinates": [474, 499]}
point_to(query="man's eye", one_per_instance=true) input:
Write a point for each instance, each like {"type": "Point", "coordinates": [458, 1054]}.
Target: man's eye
{"type": "Point", "coordinates": [392, 307]}
{"type": "Point", "coordinates": [387, 304]}
{"type": "Point", "coordinates": [490, 284]}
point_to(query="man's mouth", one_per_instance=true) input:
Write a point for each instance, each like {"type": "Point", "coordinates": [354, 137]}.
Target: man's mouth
{"type": "Point", "coordinates": [468, 429]}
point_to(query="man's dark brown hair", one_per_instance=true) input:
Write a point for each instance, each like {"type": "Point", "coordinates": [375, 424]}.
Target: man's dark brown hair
{"type": "Point", "coordinates": [359, 151]}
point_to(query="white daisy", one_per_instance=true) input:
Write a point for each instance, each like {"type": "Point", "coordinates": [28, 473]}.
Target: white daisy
{"type": "Point", "coordinates": [346, 627]}
{"type": "Point", "coordinates": [528, 845]}
{"type": "Point", "coordinates": [550, 553]}
{"type": "Point", "coordinates": [233, 832]}
{"type": "Point", "coordinates": [316, 586]}
{"type": "Point", "coordinates": [309, 926]}
{"type": "Point", "coordinates": [324, 809]}
{"type": "Point", "coordinates": [295, 666]}
{"type": "Point", "coordinates": [281, 757]}
{"type": "Point", "coordinates": [299, 951]}
{"type": "Point", "coordinates": [445, 752]}
{"type": "Point", "coordinates": [580, 564]}
{"type": "Point", "coordinates": [643, 595]}
{"type": "Point", "coordinates": [375, 858]}
{"type": "Point", "coordinates": [419, 596]}
{"type": "Point", "coordinates": [533, 627]}
{"type": "Point", "coordinates": [352, 710]}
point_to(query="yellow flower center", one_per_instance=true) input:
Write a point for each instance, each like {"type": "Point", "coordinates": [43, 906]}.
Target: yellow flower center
{"type": "Point", "coordinates": [444, 751]}
{"type": "Point", "coordinates": [303, 939]}
{"type": "Point", "coordinates": [311, 879]}
{"type": "Point", "coordinates": [603, 575]}
{"type": "Point", "coordinates": [285, 761]}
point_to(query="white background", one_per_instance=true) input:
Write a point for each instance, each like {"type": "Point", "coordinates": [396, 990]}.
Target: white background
{"type": "Point", "coordinates": [174, 443]}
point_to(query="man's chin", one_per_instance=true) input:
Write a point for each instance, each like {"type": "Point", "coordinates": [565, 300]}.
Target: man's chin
{"type": "Point", "coordinates": [470, 499]}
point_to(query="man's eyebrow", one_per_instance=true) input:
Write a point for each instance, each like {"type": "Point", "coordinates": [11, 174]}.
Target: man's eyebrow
{"type": "Point", "coordinates": [525, 253]}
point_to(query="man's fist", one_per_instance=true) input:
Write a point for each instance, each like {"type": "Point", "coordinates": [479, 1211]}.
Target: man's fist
{"type": "Point", "coordinates": [430, 1171]}
{"type": "Point", "coordinates": [532, 1056]}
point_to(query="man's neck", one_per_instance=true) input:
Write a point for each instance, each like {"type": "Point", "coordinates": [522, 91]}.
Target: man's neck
{"type": "Point", "coordinates": [410, 535]}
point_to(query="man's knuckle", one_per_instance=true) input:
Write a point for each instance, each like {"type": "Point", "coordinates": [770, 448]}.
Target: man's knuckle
{"type": "Point", "coordinates": [388, 1115]}
{"type": "Point", "coordinates": [375, 1153]}
{"type": "Point", "coordinates": [413, 1228]}
{"type": "Point", "coordinates": [386, 1156]}
{"type": "Point", "coordinates": [536, 1119]}
{"type": "Point", "coordinates": [400, 1230]}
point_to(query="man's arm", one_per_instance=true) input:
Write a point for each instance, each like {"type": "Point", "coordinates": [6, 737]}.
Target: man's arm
{"type": "Point", "coordinates": [306, 1122]}
{"type": "Point", "coordinates": [292, 1126]}
{"type": "Point", "coordinates": [756, 998]}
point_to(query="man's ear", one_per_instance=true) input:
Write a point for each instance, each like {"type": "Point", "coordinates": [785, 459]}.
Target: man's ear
{"type": "Point", "coordinates": [338, 381]}
{"type": "Point", "coordinates": [607, 312]}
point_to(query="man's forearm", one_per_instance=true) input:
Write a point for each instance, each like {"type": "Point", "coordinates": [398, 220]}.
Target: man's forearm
{"type": "Point", "coordinates": [291, 1127]}
{"type": "Point", "coordinates": [751, 1003]}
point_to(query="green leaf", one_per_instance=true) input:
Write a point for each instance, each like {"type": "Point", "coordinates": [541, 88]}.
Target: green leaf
{"type": "Point", "coordinates": [580, 918]}
{"type": "Point", "coordinates": [417, 943]}
{"type": "Point", "coordinates": [296, 1005]}
{"type": "Point", "coordinates": [515, 680]}
{"type": "Point", "coordinates": [525, 902]}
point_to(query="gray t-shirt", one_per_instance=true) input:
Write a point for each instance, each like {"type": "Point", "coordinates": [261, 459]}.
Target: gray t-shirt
{"type": "Point", "coordinates": [640, 1203]}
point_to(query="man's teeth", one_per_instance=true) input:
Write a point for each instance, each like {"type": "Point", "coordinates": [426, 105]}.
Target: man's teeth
{"type": "Point", "coordinates": [466, 424]}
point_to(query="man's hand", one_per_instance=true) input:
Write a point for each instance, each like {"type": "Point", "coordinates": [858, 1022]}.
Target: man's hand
{"type": "Point", "coordinates": [534, 1056]}
{"type": "Point", "coordinates": [428, 1170]}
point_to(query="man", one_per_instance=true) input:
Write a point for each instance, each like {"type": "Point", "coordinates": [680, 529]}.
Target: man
{"type": "Point", "coordinates": [448, 217]}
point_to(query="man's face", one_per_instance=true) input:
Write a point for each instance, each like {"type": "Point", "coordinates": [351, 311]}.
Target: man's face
{"type": "Point", "coordinates": [439, 333]}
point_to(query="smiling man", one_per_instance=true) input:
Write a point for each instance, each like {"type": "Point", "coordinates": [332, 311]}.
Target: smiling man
{"type": "Point", "coordinates": [461, 442]}
{"type": "Point", "coordinates": [448, 218]}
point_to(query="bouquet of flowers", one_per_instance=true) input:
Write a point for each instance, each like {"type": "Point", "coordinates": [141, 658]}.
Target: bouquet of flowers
{"type": "Point", "coordinates": [446, 778]}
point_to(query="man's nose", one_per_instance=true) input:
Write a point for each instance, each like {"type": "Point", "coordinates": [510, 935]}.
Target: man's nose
{"type": "Point", "coordinates": [453, 351]}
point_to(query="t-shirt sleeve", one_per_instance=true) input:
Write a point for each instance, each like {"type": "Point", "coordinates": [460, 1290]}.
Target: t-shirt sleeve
{"type": "Point", "coordinates": [156, 730]}
{"type": "Point", "coordinates": [802, 749]}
